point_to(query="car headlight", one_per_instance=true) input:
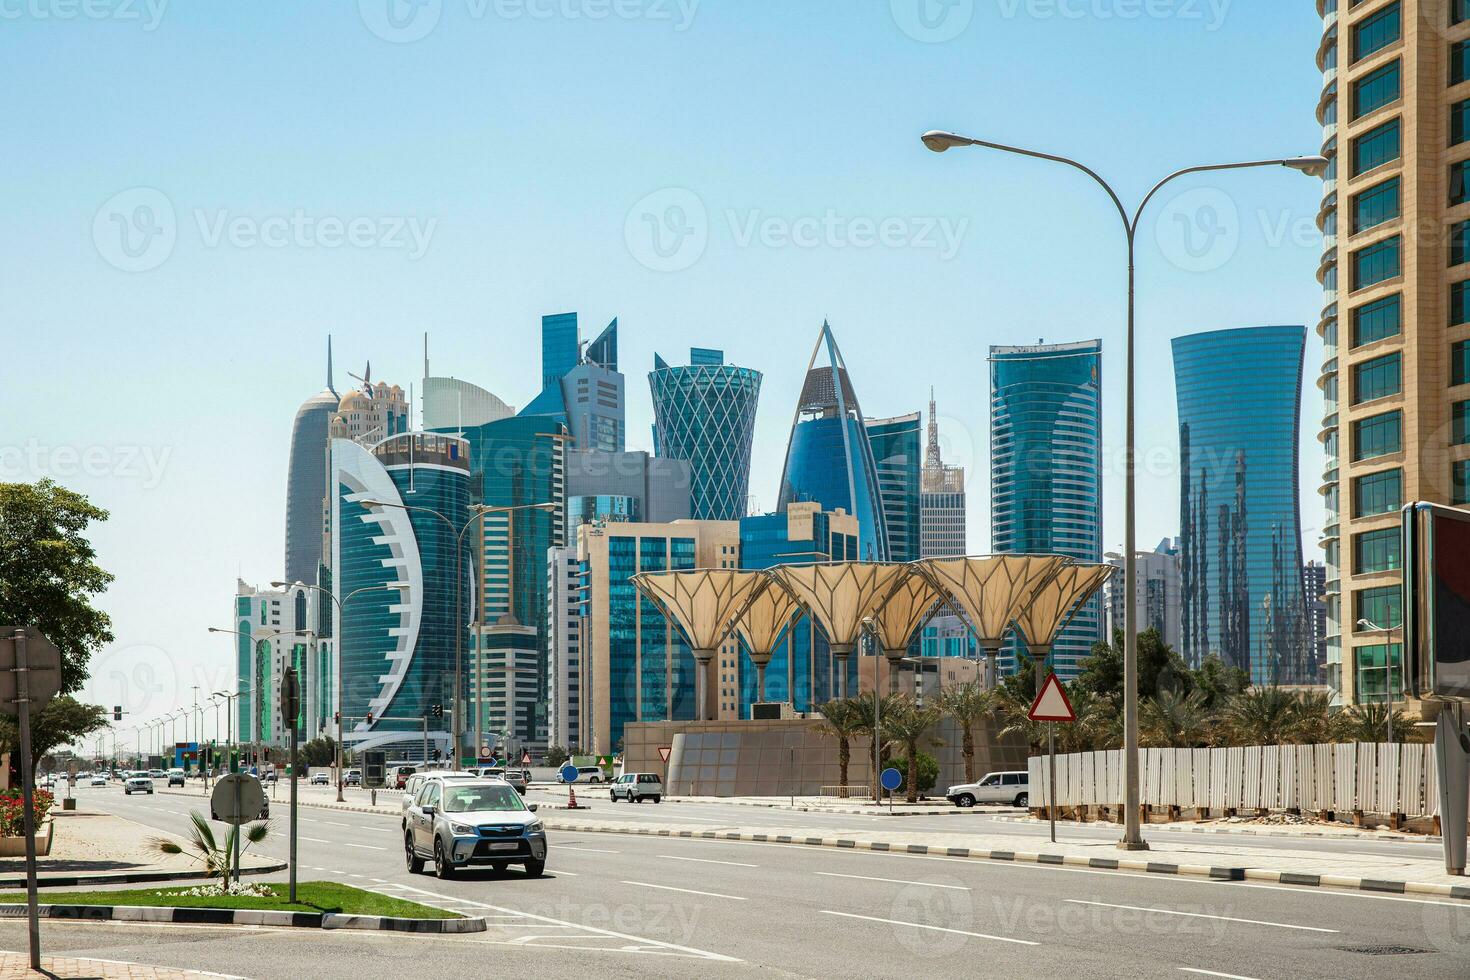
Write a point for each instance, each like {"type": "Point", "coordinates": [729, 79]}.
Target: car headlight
{"type": "Point", "coordinates": [463, 830]}
{"type": "Point", "coordinates": [535, 828]}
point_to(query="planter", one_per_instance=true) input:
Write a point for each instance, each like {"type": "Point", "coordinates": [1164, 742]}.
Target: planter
{"type": "Point", "coordinates": [16, 846]}
{"type": "Point", "coordinates": [69, 803]}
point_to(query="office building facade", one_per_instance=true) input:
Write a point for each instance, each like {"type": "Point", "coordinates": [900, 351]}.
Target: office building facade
{"type": "Point", "coordinates": [564, 647]}
{"type": "Point", "coordinates": [1159, 603]}
{"type": "Point", "coordinates": [581, 386]}
{"type": "Point", "coordinates": [306, 481]}
{"type": "Point", "coordinates": [704, 415]}
{"type": "Point", "coordinates": [276, 629]}
{"type": "Point", "coordinates": [1239, 398]}
{"type": "Point", "coordinates": [941, 499]}
{"type": "Point", "coordinates": [898, 458]}
{"type": "Point", "coordinates": [1046, 467]}
{"type": "Point", "coordinates": [1314, 588]}
{"type": "Point", "coordinates": [626, 486]}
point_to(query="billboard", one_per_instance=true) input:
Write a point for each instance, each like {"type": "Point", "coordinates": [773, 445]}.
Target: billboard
{"type": "Point", "coordinates": [1437, 601]}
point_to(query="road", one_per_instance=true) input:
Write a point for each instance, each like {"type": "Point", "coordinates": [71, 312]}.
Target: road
{"type": "Point", "coordinates": [612, 904]}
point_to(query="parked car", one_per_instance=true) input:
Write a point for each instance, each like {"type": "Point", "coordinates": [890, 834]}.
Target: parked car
{"type": "Point", "coordinates": [138, 784]}
{"type": "Point", "coordinates": [353, 777]}
{"type": "Point", "coordinates": [401, 774]}
{"type": "Point", "coordinates": [585, 774]}
{"type": "Point", "coordinates": [635, 787]}
{"type": "Point", "coordinates": [457, 823]}
{"type": "Point", "coordinates": [320, 779]}
{"type": "Point", "coordinates": [176, 777]}
{"type": "Point", "coordinates": [1012, 788]}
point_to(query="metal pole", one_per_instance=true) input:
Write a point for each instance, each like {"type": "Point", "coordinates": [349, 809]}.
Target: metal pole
{"type": "Point", "coordinates": [1051, 792]}
{"type": "Point", "coordinates": [23, 701]}
{"type": "Point", "coordinates": [295, 773]}
{"type": "Point", "coordinates": [1132, 832]}
{"type": "Point", "coordinates": [341, 617]}
{"type": "Point", "coordinates": [426, 741]}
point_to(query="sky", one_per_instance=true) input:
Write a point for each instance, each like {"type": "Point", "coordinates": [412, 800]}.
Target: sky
{"type": "Point", "coordinates": [198, 194]}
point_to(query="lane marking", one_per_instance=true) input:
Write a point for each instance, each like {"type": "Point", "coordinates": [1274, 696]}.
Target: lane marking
{"type": "Point", "coordinates": [366, 847]}
{"type": "Point", "coordinates": [1198, 915]}
{"type": "Point", "coordinates": [686, 891]}
{"type": "Point", "coordinates": [730, 864]}
{"type": "Point", "coordinates": [893, 881]}
{"type": "Point", "coordinates": [1212, 973]}
{"type": "Point", "coordinates": [920, 925]}
{"type": "Point", "coordinates": [587, 850]}
{"type": "Point", "coordinates": [315, 840]}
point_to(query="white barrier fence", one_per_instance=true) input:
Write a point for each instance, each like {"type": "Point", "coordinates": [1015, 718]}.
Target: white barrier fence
{"type": "Point", "coordinates": [1367, 776]}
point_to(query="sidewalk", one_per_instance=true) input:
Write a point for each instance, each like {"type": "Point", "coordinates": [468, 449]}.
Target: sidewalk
{"type": "Point", "coordinates": [1316, 831]}
{"type": "Point", "coordinates": [15, 966]}
{"type": "Point", "coordinates": [859, 806]}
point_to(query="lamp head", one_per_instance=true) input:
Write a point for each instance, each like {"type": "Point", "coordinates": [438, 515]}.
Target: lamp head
{"type": "Point", "coordinates": [938, 140]}
{"type": "Point", "coordinates": [1313, 166]}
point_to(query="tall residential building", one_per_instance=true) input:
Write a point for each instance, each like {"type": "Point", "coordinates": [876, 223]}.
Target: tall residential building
{"type": "Point", "coordinates": [896, 452]}
{"type": "Point", "coordinates": [1159, 603]}
{"type": "Point", "coordinates": [1396, 306]}
{"type": "Point", "coordinates": [626, 486]}
{"type": "Point", "coordinates": [941, 499]}
{"type": "Point", "coordinates": [1239, 396]}
{"type": "Point", "coordinates": [635, 665]}
{"type": "Point", "coordinates": [829, 459]}
{"type": "Point", "coordinates": [371, 413]}
{"type": "Point", "coordinates": [1314, 588]}
{"type": "Point", "coordinates": [1046, 467]}
{"type": "Point", "coordinates": [396, 556]}
{"type": "Point", "coordinates": [278, 631]}
{"type": "Point", "coordinates": [802, 671]}
{"type": "Point", "coordinates": [582, 388]}
{"type": "Point", "coordinates": [306, 481]}
{"type": "Point", "coordinates": [704, 414]}
{"type": "Point", "coordinates": [564, 647]}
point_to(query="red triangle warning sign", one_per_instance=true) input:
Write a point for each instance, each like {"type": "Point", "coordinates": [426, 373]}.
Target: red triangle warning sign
{"type": "Point", "coordinates": [664, 751]}
{"type": "Point", "coordinates": [1051, 704]}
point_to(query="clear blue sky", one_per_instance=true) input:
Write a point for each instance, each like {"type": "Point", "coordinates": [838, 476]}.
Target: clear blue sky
{"type": "Point", "coordinates": [519, 138]}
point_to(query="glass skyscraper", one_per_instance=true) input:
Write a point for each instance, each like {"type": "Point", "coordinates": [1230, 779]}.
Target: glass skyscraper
{"type": "Point", "coordinates": [897, 453]}
{"type": "Point", "coordinates": [1239, 395]}
{"type": "Point", "coordinates": [1046, 467]}
{"type": "Point", "coordinates": [306, 481]}
{"type": "Point", "coordinates": [704, 414]}
{"type": "Point", "coordinates": [585, 391]}
{"type": "Point", "coordinates": [829, 460]}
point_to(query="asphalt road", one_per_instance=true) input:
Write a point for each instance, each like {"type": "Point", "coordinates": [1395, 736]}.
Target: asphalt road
{"type": "Point", "coordinates": [624, 905]}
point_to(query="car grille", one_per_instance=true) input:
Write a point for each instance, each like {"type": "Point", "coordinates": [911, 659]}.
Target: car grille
{"type": "Point", "coordinates": [499, 832]}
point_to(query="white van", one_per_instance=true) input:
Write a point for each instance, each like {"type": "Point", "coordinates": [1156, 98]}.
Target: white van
{"type": "Point", "coordinates": [1006, 788]}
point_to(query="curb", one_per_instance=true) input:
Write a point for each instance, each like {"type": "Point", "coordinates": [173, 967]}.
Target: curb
{"type": "Point", "coordinates": [1069, 860]}
{"type": "Point", "coordinates": [131, 877]}
{"type": "Point", "coordinates": [246, 917]}
{"type": "Point", "coordinates": [1245, 831]}
{"type": "Point", "coordinates": [877, 811]}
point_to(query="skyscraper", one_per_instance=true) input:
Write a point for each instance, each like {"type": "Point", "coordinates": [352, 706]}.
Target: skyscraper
{"type": "Point", "coordinates": [583, 390]}
{"type": "Point", "coordinates": [941, 500]}
{"type": "Point", "coordinates": [306, 481]}
{"type": "Point", "coordinates": [1160, 596]}
{"type": "Point", "coordinates": [1046, 466]}
{"type": "Point", "coordinates": [896, 452]}
{"type": "Point", "coordinates": [704, 414]}
{"type": "Point", "coordinates": [829, 460]}
{"type": "Point", "coordinates": [1314, 587]}
{"type": "Point", "coordinates": [1239, 395]}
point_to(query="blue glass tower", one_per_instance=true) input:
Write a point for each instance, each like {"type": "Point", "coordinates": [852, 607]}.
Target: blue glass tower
{"type": "Point", "coordinates": [704, 414]}
{"type": "Point", "coordinates": [583, 391]}
{"type": "Point", "coordinates": [1239, 396]}
{"type": "Point", "coordinates": [1046, 467]}
{"type": "Point", "coordinates": [898, 453]}
{"type": "Point", "coordinates": [829, 460]}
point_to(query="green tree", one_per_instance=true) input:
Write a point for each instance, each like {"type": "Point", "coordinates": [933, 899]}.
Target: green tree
{"type": "Point", "coordinates": [48, 572]}
{"type": "Point", "coordinates": [212, 853]}
{"type": "Point", "coordinates": [907, 723]}
{"type": "Point", "coordinates": [556, 756]}
{"type": "Point", "coordinates": [321, 751]}
{"type": "Point", "coordinates": [1217, 682]}
{"type": "Point", "coordinates": [60, 721]}
{"type": "Point", "coordinates": [1262, 716]}
{"type": "Point", "coordinates": [1159, 668]}
{"type": "Point", "coordinates": [844, 722]}
{"type": "Point", "coordinates": [927, 768]}
{"type": "Point", "coordinates": [968, 704]}
{"type": "Point", "coordinates": [1317, 720]}
{"type": "Point", "coordinates": [1369, 723]}
{"type": "Point", "coordinates": [1174, 720]}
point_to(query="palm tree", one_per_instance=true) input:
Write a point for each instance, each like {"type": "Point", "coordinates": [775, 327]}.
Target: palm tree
{"type": "Point", "coordinates": [1012, 707]}
{"type": "Point", "coordinates": [1174, 720]}
{"type": "Point", "coordinates": [967, 704]}
{"type": "Point", "coordinates": [212, 854]}
{"type": "Point", "coordinates": [844, 720]}
{"type": "Point", "coordinates": [1318, 721]}
{"type": "Point", "coordinates": [908, 723]}
{"type": "Point", "coordinates": [1368, 722]}
{"type": "Point", "coordinates": [1262, 716]}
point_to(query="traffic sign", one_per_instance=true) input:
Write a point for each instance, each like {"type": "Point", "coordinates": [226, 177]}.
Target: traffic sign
{"type": "Point", "coordinates": [525, 758]}
{"type": "Point", "coordinates": [43, 662]}
{"type": "Point", "coordinates": [290, 695]}
{"type": "Point", "coordinates": [664, 751]}
{"type": "Point", "coordinates": [569, 773]}
{"type": "Point", "coordinates": [238, 798]}
{"type": "Point", "coordinates": [484, 751]}
{"type": "Point", "coordinates": [1051, 704]}
{"type": "Point", "coordinates": [892, 779]}
{"type": "Point", "coordinates": [603, 761]}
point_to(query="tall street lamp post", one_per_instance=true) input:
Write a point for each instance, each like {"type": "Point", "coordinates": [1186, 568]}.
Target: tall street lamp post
{"type": "Point", "coordinates": [1313, 166]}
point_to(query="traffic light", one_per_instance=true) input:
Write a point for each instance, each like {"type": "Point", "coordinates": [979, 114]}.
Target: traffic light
{"type": "Point", "coordinates": [336, 717]}
{"type": "Point", "coordinates": [117, 712]}
{"type": "Point", "coordinates": [369, 717]}
{"type": "Point", "coordinates": [436, 711]}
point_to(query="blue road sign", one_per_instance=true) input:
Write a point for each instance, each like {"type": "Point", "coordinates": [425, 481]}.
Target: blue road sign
{"type": "Point", "coordinates": [569, 773]}
{"type": "Point", "coordinates": [892, 779]}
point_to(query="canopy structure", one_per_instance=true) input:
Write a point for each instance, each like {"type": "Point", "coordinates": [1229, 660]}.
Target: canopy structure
{"type": "Point", "coordinates": [703, 602]}
{"type": "Point", "coordinates": [910, 604]}
{"type": "Point", "coordinates": [1054, 605]}
{"type": "Point", "coordinates": [762, 623]}
{"type": "Point", "coordinates": [991, 592]}
{"type": "Point", "coordinates": [839, 596]}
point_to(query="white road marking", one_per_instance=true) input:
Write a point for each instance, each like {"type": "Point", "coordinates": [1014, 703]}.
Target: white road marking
{"type": "Point", "coordinates": [366, 847]}
{"type": "Point", "coordinates": [920, 925]}
{"type": "Point", "coordinates": [1199, 915]}
{"type": "Point", "coordinates": [686, 891]}
{"type": "Point", "coordinates": [315, 840]}
{"type": "Point", "coordinates": [588, 850]}
{"type": "Point", "coordinates": [1212, 973]}
{"type": "Point", "coordinates": [893, 881]}
{"type": "Point", "coordinates": [731, 864]}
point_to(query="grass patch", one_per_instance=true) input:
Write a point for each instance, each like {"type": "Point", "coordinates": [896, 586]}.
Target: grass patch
{"type": "Point", "coordinates": [312, 896]}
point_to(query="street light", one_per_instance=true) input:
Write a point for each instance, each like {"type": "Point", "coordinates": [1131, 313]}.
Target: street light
{"type": "Point", "coordinates": [1368, 626]}
{"type": "Point", "coordinates": [1313, 166]}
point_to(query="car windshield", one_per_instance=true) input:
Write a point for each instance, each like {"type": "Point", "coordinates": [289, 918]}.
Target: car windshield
{"type": "Point", "coordinates": [461, 799]}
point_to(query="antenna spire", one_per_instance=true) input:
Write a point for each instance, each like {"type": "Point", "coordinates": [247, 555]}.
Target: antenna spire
{"type": "Point", "coordinates": [329, 365]}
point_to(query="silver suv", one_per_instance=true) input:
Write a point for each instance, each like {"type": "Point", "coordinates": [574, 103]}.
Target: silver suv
{"type": "Point", "coordinates": [456, 823]}
{"type": "Point", "coordinates": [635, 787]}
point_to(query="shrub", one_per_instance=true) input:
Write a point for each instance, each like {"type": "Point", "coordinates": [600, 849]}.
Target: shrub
{"type": "Point", "coordinates": [12, 811]}
{"type": "Point", "coordinates": [928, 771]}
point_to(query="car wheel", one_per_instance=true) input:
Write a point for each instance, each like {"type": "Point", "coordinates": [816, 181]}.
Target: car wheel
{"type": "Point", "coordinates": [658, 799]}
{"type": "Point", "coordinates": [1023, 799]}
{"type": "Point", "coordinates": [443, 867]}
{"type": "Point", "coordinates": [535, 868]}
{"type": "Point", "coordinates": [612, 796]}
{"type": "Point", "coordinates": [415, 863]}
{"type": "Point", "coordinates": [964, 800]}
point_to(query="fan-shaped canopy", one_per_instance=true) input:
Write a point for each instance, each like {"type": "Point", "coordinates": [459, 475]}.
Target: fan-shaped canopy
{"type": "Point", "coordinates": [765, 618]}
{"type": "Point", "coordinates": [703, 601]}
{"type": "Point", "coordinates": [993, 590]}
{"type": "Point", "coordinates": [909, 605]}
{"type": "Point", "coordinates": [841, 594]}
{"type": "Point", "coordinates": [1057, 602]}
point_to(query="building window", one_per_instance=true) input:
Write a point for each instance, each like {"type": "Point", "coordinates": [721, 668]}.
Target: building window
{"type": "Point", "coordinates": [1378, 493]}
{"type": "Point", "coordinates": [1460, 424]}
{"type": "Point", "coordinates": [1460, 362]}
{"type": "Point", "coordinates": [1378, 551]}
{"type": "Point", "coordinates": [1376, 147]}
{"type": "Point", "coordinates": [1376, 32]}
{"type": "Point", "coordinates": [1376, 89]}
{"type": "Point", "coordinates": [1460, 481]}
{"type": "Point", "coordinates": [1381, 606]}
{"type": "Point", "coordinates": [1459, 11]}
{"type": "Point", "coordinates": [1459, 182]}
{"type": "Point", "coordinates": [1459, 122]}
{"type": "Point", "coordinates": [1377, 320]}
{"type": "Point", "coordinates": [1377, 378]}
{"type": "Point", "coordinates": [1459, 303]}
{"type": "Point", "coordinates": [1378, 435]}
{"type": "Point", "coordinates": [1376, 263]}
{"type": "Point", "coordinates": [1376, 205]}
{"type": "Point", "coordinates": [1459, 62]}
{"type": "Point", "coordinates": [1460, 243]}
